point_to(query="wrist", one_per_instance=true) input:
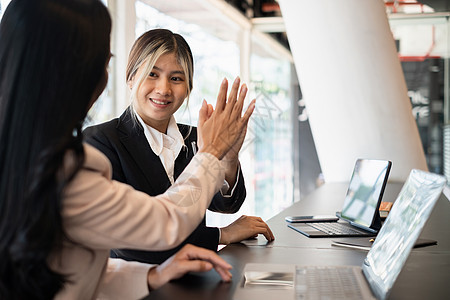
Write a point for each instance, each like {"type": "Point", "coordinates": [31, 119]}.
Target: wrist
{"type": "Point", "coordinates": [231, 171]}
{"type": "Point", "coordinates": [230, 166]}
{"type": "Point", "coordinates": [231, 156]}
{"type": "Point", "coordinates": [154, 279]}
{"type": "Point", "coordinates": [223, 240]}
{"type": "Point", "coordinates": [213, 151]}
{"type": "Point", "coordinates": [230, 162]}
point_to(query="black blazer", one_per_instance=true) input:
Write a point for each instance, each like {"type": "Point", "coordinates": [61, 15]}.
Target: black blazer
{"type": "Point", "coordinates": [123, 141]}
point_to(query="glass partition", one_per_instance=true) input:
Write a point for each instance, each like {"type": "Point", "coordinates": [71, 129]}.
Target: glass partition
{"type": "Point", "coordinates": [423, 42]}
{"type": "Point", "coordinates": [271, 134]}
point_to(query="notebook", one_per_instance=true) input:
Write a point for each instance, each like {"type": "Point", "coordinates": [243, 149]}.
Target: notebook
{"type": "Point", "coordinates": [359, 215]}
{"type": "Point", "coordinates": [380, 269]}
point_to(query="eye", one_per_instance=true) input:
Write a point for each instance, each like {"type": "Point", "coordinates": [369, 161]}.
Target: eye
{"type": "Point", "coordinates": [152, 74]}
{"type": "Point", "coordinates": [175, 78]}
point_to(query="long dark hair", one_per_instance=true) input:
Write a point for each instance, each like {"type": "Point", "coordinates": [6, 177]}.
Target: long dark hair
{"type": "Point", "coordinates": [52, 59]}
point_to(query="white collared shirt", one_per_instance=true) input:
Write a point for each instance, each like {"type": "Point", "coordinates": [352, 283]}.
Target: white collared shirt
{"type": "Point", "coordinates": [166, 146]}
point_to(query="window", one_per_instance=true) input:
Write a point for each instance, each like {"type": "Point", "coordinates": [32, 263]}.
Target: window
{"type": "Point", "coordinates": [423, 47]}
{"type": "Point", "coordinates": [271, 133]}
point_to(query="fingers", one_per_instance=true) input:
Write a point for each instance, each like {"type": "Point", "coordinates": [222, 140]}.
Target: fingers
{"type": "Point", "coordinates": [245, 227]}
{"type": "Point", "coordinates": [240, 100]}
{"type": "Point", "coordinates": [204, 266]}
{"type": "Point", "coordinates": [222, 96]}
{"type": "Point", "coordinates": [248, 113]}
{"type": "Point", "coordinates": [189, 259]}
{"type": "Point", "coordinates": [223, 128]}
{"type": "Point", "coordinates": [193, 252]}
{"type": "Point", "coordinates": [261, 227]}
{"type": "Point", "coordinates": [234, 89]}
{"type": "Point", "coordinates": [205, 260]}
{"type": "Point", "coordinates": [258, 226]}
{"type": "Point", "coordinates": [232, 98]}
{"type": "Point", "coordinates": [268, 233]}
{"type": "Point", "coordinates": [196, 266]}
{"type": "Point", "coordinates": [203, 114]}
{"type": "Point", "coordinates": [233, 105]}
{"type": "Point", "coordinates": [224, 274]}
{"type": "Point", "coordinates": [210, 110]}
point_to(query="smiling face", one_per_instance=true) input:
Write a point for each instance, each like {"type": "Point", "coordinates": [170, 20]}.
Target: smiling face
{"type": "Point", "coordinates": [161, 92]}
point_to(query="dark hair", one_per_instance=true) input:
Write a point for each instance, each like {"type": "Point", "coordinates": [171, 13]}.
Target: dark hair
{"type": "Point", "coordinates": [52, 60]}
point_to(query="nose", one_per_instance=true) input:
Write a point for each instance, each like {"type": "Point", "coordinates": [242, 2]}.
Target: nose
{"type": "Point", "coordinates": [163, 86]}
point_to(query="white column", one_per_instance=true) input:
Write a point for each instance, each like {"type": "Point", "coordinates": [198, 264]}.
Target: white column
{"type": "Point", "coordinates": [245, 43]}
{"type": "Point", "coordinates": [353, 85]}
{"type": "Point", "coordinates": [123, 14]}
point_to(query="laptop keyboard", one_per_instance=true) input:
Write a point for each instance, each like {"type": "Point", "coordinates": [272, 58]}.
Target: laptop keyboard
{"type": "Point", "coordinates": [326, 283]}
{"type": "Point", "coordinates": [335, 228]}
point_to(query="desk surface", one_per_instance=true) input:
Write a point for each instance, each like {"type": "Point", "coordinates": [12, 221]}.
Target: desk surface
{"type": "Point", "coordinates": [426, 274]}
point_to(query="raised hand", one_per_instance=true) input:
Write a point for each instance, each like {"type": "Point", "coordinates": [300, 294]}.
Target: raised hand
{"type": "Point", "coordinates": [243, 228]}
{"type": "Point", "coordinates": [233, 153]}
{"type": "Point", "coordinates": [189, 259]}
{"type": "Point", "coordinates": [224, 128]}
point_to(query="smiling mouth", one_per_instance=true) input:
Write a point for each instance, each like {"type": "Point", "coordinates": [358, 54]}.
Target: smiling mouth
{"type": "Point", "coordinates": [159, 102]}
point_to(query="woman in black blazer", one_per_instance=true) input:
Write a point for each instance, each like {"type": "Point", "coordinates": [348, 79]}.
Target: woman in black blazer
{"type": "Point", "coordinates": [159, 73]}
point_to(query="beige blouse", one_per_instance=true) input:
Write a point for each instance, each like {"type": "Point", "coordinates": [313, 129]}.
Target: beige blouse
{"type": "Point", "coordinates": [100, 213]}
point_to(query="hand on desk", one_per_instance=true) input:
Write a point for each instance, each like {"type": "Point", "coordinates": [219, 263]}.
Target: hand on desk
{"type": "Point", "coordinates": [189, 259]}
{"type": "Point", "coordinates": [243, 228]}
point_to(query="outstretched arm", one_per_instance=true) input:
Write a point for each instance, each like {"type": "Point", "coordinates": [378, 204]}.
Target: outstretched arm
{"type": "Point", "coordinates": [93, 201]}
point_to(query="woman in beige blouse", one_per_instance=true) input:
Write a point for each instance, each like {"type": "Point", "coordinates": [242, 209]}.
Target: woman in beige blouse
{"type": "Point", "coordinates": [60, 212]}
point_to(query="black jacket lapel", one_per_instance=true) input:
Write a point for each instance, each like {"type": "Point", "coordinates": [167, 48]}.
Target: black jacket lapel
{"type": "Point", "coordinates": [131, 134]}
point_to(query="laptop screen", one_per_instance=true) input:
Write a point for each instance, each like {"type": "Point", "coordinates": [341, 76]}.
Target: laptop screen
{"type": "Point", "coordinates": [365, 191]}
{"type": "Point", "coordinates": [401, 230]}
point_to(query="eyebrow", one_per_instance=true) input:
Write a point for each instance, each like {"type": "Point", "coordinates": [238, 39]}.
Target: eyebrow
{"type": "Point", "coordinates": [171, 73]}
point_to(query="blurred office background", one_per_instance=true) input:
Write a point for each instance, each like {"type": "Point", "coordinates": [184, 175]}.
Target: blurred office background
{"type": "Point", "coordinates": [280, 159]}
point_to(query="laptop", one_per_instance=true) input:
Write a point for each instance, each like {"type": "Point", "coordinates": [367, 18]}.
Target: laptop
{"type": "Point", "coordinates": [360, 214]}
{"type": "Point", "coordinates": [380, 269]}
